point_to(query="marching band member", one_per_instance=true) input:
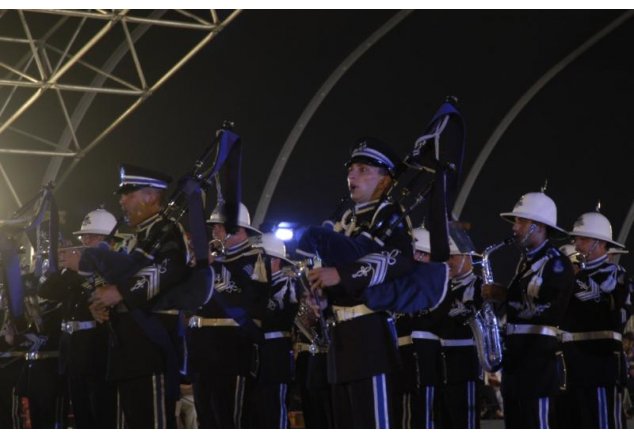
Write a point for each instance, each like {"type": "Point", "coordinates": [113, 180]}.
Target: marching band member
{"type": "Point", "coordinates": [459, 392]}
{"type": "Point", "coordinates": [145, 338]}
{"type": "Point", "coordinates": [593, 327]}
{"type": "Point", "coordinates": [269, 398]}
{"type": "Point", "coordinates": [223, 334]}
{"type": "Point", "coordinates": [427, 348]}
{"type": "Point", "coordinates": [536, 300]}
{"type": "Point", "coordinates": [84, 343]}
{"type": "Point", "coordinates": [363, 349]}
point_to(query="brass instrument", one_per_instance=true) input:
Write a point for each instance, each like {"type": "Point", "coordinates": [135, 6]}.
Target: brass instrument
{"type": "Point", "coordinates": [310, 319]}
{"type": "Point", "coordinates": [217, 247]}
{"type": "Point", "coordinates": [484, 323]}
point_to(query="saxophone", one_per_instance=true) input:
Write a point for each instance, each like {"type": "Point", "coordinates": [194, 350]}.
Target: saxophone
{"type": "Point", "coordinates": [484, 323]}
{"type": "Point", "coordinates": [309, 321]}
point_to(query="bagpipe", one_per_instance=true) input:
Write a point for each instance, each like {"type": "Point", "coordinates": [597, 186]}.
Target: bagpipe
{"type": "Point", "coordinates": [20, 309]}
{"type": "Point", "coordinates": [431, 169]}
{"type": "Point", "coordinates": [219, 162]}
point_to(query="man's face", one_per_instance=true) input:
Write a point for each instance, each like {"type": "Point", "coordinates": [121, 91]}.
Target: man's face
{"type": "Point", "coordinates": [524, 231]}
{"type": "Point", "coordinates": [421, 256]}
{"type": "Point", "coordinates": [218, 231]}
{"type": "Point", "coordinates": [590, 248]}
{"type": "Point", "coordinates": [366, 182]}
{"type": "Point", "coordinates": [137, 206]}
{"type": "Point", "coordinates": [90, 239]}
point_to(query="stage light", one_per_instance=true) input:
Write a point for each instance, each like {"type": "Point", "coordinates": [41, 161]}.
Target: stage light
{"type": "Point", "coordinates": [284, 231]}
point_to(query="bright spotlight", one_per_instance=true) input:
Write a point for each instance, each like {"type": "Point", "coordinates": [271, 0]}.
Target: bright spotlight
{"type": "Point", "coordinates": [284, 231]}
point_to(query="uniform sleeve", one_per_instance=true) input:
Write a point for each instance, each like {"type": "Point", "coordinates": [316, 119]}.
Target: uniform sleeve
{"type": "Point", "coordinates": [168, 267]}
{"type": "Point", "coordinates": [422, 289]}
{"type": "Point", "coordinates": [374, 269]}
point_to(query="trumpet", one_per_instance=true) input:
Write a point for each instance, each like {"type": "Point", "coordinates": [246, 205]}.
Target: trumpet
{"type": "Point", "coordinates": [217, 247]}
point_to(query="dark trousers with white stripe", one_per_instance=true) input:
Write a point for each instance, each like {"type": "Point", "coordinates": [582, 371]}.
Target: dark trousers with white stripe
{"type": "Point", "coordinates": [529, 412]}
{"type": "Point", "coordinates": [425, 407]}
{"type": "Point", "coordinates": [142, 403]}
{"type": "Point", "coordinates": [591, 407]}
{"type": "Point", "coordinates": [268, 406]}
{"type": "Point", "coordinates": [459, 405]}
{"type": "Point", "coordinates": [219, 399]}
{"type": "Point", "coordinates": [365, 403]}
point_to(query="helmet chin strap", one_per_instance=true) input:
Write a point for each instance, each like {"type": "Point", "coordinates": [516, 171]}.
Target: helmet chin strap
{"type": "Point", "coordinates": [586, 255]}
{"type": "Point", "coordinates": [524, 240]}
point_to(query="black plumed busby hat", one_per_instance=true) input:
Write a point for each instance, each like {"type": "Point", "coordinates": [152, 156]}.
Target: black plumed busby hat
{"type": "Point", "coordinates": [132, 178]}
{"type": "Point", "coordinates": [374, 152]}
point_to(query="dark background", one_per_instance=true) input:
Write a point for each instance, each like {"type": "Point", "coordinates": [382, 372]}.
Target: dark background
{"type": "Point", "coordinates": [264, 68]}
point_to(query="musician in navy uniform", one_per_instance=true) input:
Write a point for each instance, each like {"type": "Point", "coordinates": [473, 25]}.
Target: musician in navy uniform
{"type": "Point", "coordinates": [146, 338]}
{"type": "Point", "coordinates": [427, 347]}
{"type": "Point", "coordinates": [363, 352]}
{"type": "Point", "coordinates": [592, 328]}
{"type": "Point", "coordinates": [84, 344]}
{"type": "Point", "coordinates": [536, 300]}
{"type": "Point", "coordinates": [224, 333]}
{"type": "Point", "coordinates": [269, 399]}
{"type": "Point", "coordinates": [462, 377]}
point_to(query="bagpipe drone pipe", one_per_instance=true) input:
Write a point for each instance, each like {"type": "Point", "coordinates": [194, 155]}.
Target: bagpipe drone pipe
{"type": "Point", "coordinates": [431, 170]}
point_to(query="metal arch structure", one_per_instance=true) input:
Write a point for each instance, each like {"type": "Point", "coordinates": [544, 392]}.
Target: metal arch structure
{"type": "Point", "coordinates": [53, 71]}
{"type": "Point", "coordinates": [519, 106]}
{"type": "Point", "coordinates": [311, 108]}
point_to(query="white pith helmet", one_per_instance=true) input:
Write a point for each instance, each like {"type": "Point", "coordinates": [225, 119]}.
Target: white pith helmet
{"type": "Point", "coordinates": [596, 226]}
{"type": "Point", "coordinates": [274, 246]}
{"type": "Point", "coordinates": [244, 219]}
{"type": "Point", "coordinates": [535, 206]}
{"type": "Point", "coordinates": [421, 239]}
{"type": "Point", "coordinates": [97, 222]}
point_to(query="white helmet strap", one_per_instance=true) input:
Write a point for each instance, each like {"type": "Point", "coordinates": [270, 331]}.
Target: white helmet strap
{"type": "Point", "coordinates": [531, 229]}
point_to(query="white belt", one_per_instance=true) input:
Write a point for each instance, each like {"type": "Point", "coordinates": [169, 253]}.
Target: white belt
{"type": "Point", "coordinates": [276, 334]}
{"type": "Point", "coordinates": [40, 355]}
{"type": "Point", "coordinates": [417, 335]}
{"type": "Point", "coordinates": [170, 312]}
{"type": "Point", "coordinates": [74, 325]}
{"type": "Point", "coordinates": [343, 313]}
{"type": "Point", "coordinates": [457, 342]}
{"type": "Point", "coordinates": [405, 340]}
{"type": "Point", "coordinates": [513, 329]}
{"type": "Point", "coordinates": [200, 322]}
{"type": "Point", "coordinates": [313, 349]}
{"type": "Point", "coordinates": [590, 335]}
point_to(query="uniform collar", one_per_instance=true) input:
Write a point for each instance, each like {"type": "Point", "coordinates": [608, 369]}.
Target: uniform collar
{"type": "Point", "coordinates": [145, 224]}
{"type": "Point", "coordinates": [238, 248]}
{"type": "Point", "coordinates": [591, 265]}
{"type": "Point", "coordinates": [530, 255]}
{"type": "Point", "coordinates": [365, 207]}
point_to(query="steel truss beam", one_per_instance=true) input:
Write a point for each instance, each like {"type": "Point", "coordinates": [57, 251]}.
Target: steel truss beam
{"type": "Point", "coordinates": [49, 57]}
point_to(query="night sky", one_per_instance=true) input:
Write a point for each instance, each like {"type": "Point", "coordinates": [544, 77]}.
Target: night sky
{"type": "Point", "coordinates": [264, 68]}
